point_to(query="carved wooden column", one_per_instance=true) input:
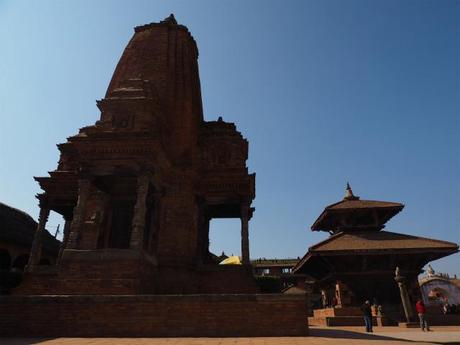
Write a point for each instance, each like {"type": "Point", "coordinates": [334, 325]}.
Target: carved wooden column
{"type": "Point", "coordinates": [79, 213]}
{"type": "Point", "coordinates": [245, 234]}
{"type": "Point", "coordinates": [36, 250]}
{"type": "Point", "coordinates": [65, 239]}
{"type": "Point", "coordinates": [140, 209]}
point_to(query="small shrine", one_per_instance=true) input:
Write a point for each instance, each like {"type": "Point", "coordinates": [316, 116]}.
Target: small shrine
{"type": "Point", "coordinates": [361, 261]}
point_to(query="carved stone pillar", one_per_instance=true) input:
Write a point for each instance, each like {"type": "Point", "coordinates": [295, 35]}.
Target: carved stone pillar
{"type": "Point", "coordinates": [407, 305]}
{"type": "Point", "coordinates": [36, 250]}
{"type": "Point", "coordinates": [65, 239]}
{"type": "Point", "coordinates": [140, 209]}
{"type": "Point", "coordinates": [324, 298]}
{"type": "Point", "coordinates": [78, 213]}
{"type": "Point", "coordinates": [339, 294]}
{"type": "Point", "coordinates": [245, 235]}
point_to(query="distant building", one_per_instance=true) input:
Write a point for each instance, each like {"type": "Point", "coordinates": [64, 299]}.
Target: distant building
{"type": "Point", "coordinates": [439, 288]}
{"type": "Point", "coordinates": [17, 230]}
{"type": "Point", "coordinates": [281, 268]}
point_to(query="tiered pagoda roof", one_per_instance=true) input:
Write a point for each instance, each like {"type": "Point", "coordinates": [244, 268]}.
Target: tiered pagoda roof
{"type": "Point", "coordinates": [356, 229]}
{"type": "Point", "coordinates": [352, 213]}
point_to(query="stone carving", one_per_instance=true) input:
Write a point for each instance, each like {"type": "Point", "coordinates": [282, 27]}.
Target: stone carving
{"type": "Point", "coordinates": [122, 121]}
{"type": "Point", "coordinates": [430, 271]}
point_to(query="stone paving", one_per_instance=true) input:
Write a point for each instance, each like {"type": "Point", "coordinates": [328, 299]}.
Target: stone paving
{"type": "Point", "coordinates": [319, 336]}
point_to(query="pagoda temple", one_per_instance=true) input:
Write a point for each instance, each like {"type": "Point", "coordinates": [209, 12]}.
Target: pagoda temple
{"type": "Point", "coordinates": [359, 260]}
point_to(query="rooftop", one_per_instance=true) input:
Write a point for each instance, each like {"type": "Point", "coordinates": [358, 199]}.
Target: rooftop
{"type": "Point", "coordinates": [18, 227]}
{"type": "Point", "coordinates": [274, 262]}
{"type": "Point", "coordinates": [377, 243]}
{"type": "Point", "coordinates": [352, 213]}
{"type": "Point", "coordinates": [379, 240]}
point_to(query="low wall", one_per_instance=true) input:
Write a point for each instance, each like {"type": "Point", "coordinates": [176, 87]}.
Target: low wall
{"type": "Point", "coordinates": [128, 272]}
{"type": "Point", "coordinates": [347, 311]}
{"type": "Point", "coordinates": [153, 315]}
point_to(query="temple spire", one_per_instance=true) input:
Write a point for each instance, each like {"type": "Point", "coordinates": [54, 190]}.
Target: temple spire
{"type": "Point", "coordinates": [170, 20]}
{"type": "Point", "coordinates": [349, 193]}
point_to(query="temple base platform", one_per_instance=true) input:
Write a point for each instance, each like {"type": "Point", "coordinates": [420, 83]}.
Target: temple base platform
{"type": "Point", "coordinates": [153, 315]}
{"type": "Point", "coordinates": [348, 316]}
{"type": "Point", "coordinates": [129, 272]}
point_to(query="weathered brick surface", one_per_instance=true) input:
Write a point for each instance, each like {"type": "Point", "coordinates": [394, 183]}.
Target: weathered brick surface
{"type": "Point", "coordinates": [95, 272]}
{"type": "Point", "coordinates": [127, 273]}
{"type": "Point", "coordinates": [153, 315]}
{"type": "Point", "coordinates": [331, 312]}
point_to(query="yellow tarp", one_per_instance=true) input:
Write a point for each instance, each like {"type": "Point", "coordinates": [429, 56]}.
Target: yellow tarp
{"type": "Point", "coordinates": [231, 260]}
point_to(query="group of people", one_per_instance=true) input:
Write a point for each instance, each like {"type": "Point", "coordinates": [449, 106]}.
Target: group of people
{"type": "Point", "coordinates": [366, 309]}
{"type": "Point", "coordinates": [450, 308]}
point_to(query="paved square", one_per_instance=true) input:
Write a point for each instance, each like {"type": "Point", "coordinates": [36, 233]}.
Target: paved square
{"type": "Point", "coordinates": [319, 336]}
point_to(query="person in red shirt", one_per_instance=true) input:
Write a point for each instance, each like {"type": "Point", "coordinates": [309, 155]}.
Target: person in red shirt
{"type": "Point", "coordinates": [421, 311]}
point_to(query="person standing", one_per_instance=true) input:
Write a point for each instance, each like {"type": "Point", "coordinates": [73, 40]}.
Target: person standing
{"type": "Point", "coordinates": [367, 314]}
{"type": "Point", "coordinates": [421, 311]}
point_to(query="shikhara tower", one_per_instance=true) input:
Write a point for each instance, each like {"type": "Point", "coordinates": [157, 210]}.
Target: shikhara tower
{"type": "Point", "coordinates": [139, 187]}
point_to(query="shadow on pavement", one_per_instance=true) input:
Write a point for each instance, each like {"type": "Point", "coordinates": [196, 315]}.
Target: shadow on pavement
{"type": "Point", "coordinates": [343, 334]}
{"type": "Point", "coordinates": [23, 341]}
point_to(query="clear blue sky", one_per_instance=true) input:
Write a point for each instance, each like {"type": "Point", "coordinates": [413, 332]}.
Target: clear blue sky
{"type": "Point", "coordinates": [325, 91]}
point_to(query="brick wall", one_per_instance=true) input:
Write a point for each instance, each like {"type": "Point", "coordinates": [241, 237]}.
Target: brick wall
{"type": "Point", "coordinates": [127, 272]}
{"type": "Point", "coordinates": [153, 315]}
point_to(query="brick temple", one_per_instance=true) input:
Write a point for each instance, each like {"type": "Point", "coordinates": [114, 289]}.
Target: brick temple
{"type": "Point", "coordinates": [137, 191]}
{"type": "Point", "coordinates": [361, 261]}
{"type": "Point", "coordinates": [139, 187]}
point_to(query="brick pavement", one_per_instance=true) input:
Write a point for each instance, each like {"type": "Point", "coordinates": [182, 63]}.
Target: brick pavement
{"type": "Point", "coordinates": [319, 336]}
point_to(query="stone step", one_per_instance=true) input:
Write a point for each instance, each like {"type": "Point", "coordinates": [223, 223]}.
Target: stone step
{"type": "Point", "coordinates": [347, 321]}
{"type": "Point", "coordinates": [348, 311]}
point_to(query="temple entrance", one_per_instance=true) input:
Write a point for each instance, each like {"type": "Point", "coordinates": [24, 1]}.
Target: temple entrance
{"type": "Point", "coordinates": [120, 224]}
{"type": "Point", "coordinates": [117, 199]}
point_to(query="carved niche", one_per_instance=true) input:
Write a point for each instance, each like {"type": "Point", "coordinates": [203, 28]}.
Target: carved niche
{"type": "Point", "coordinates": [122, 121]}
{"type": "Point", "coordinates": [222, 146]}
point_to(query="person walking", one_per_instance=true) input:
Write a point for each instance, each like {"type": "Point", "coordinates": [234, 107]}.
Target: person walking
{"type": "Point", "coordinates": [367, 314]}
{"type": "Point", "coordinates": [421, 311]}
